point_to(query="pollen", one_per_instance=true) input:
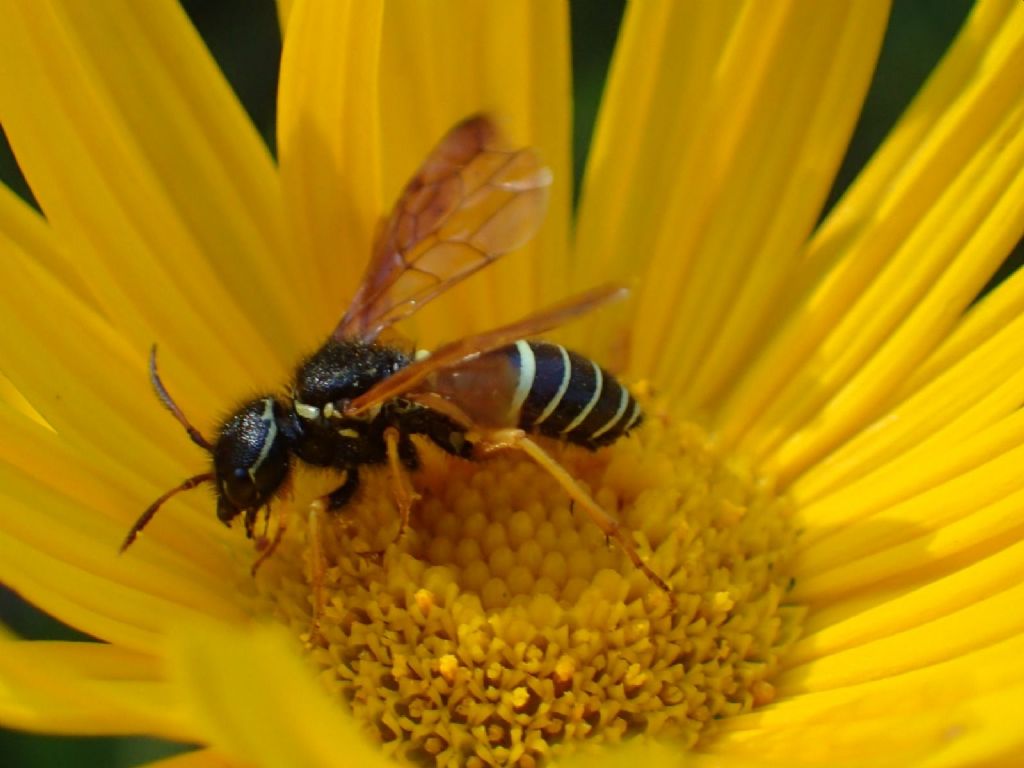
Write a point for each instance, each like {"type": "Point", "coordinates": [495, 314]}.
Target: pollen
{"type": "Point", "coordinates": [503, 629]}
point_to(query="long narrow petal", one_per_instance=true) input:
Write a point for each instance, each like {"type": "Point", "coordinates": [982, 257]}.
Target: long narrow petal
{"type": "Point", "coordinates": [90, 387]}
{"type": "Point", "coordinates": [82, 378]}
{"type": "Point", "coordinates": [107, 498]}
{"type": "Point", "coordinates": [356, 77]}
{"type": "Point", "coordinates": [237, 682]}
{"type": "Point", "coordinates": [746, 111]}
{"type": "Point", "coordinates": [284, 12]}
{"type": "Point", "coordinates": [60, 531]}
{"type": "Point", "coordinates": [885, 552]}
{"type": "Point", "coordinates": [86, 688]}
{"type": "Point", "coordinates": [79, 371]}
{"type": "Point", "coordinates": [328, 145]}
{"type": "Point", "coordinates": [23, 228]}
{"type": "Point", "coordinates": [931, 465]}
{"type": "Point", "coordinates": [927, 600]}
{"type": "Point", "coordinates": [941, 406]}
{"type": "Point", "coordinates": [155, 174]}
{"type": "Point", "coordinates": [100, 598]}
{"type": "Point", "coordinates": [200, 758]}
{"type": "Point", "coordinates": [902, 255]}
{"type": "Point", "coordinates": [950, 714]}
{"type": "Point", "coordinates": [508, 59]}
{"type": "Point", "coordinates": [989, 619]}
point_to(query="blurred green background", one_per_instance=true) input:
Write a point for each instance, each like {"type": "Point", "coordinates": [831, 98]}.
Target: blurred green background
{"type": "Point", "coordinates": [243, 37]}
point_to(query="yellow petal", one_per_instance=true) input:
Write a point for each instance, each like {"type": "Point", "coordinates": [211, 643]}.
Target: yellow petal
{"type": "Point", "coordinates": [91, 386]}
{"type": "Point", "coordinates": [635, 752]}
{"type": "Point", "coordinates": [905, 547]}
{"type": "Point", "coordinates": [932, 464]}
{"type": "Point", "coordinates": [949, 714]}
{"type": "Point", "coordinates": [356, 78]}
{"type": "Point", "coordinates": [86, 688]}
{"type": "Point", "coordinates": [844, 622]}
{"type": "Point", "coordinates": [80, 373]}
{"type": "Point", "coordinates": [93, 602]}
{"type": "Point", "coordinates": [11, 396]}
{"type": "Point", "coordinates": [327, 139]}
{"type": "Point", "coordinates": [258, 702]}
{"type": "Point", "coordinates": [200, 758]}
{"type": "Point", "coordinates": [508, 59]}
{"type": "Point", "coordinates": [984, 321]}
{"type": "Point", "coordinates": [284, 10]}
{"type": "Point", "coordinates": [112, 431]}
{"type": "Point", "coordinates": [21, 227]}
{"type": "Point", "coordinates": [105, 499]}
{"type": "Point", "coordinates": [60, 544]}
{"type": "Point", "coordinates": [155, 174]}
{"type": "Point", "coordinates": [746, 109]}
{"type": "Point", "coordinates": [990, 619]}
{"type": "Point", "coordinates": [937, 273]}
{"type": "Point", "coordinates": [941, 200]}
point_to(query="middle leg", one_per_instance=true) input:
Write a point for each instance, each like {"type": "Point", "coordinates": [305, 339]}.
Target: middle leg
{"type": "Point", "coordinates": [405, 495]}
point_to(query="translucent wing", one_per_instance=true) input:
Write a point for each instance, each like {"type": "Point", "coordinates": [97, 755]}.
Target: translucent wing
{"type": "Point", "coordinates": [470, 347]}
{"type": "Point", "coordinates": [471, 201]}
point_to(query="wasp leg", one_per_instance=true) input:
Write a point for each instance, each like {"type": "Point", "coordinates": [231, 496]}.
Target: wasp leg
{"type": "Point", "coordinates": [341, 495]}
{"type": "Point", "coordinates": [143, 521]}
{"type": "Point", "coordinates": [268, 550]}
{"type": "Point", "coordinates": [401, 488]}
{"type": "Point", "coordinates": [250, 522]}
{"type": "Point", "coordinates": [266, 523]}
{"type": "Point", "coordinates": [516, 439]}
{"type": "Point", "coordinates": [317, 567]}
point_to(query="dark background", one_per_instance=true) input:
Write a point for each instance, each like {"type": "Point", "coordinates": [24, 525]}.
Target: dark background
{"type": "Point", "coordinates": [243, 37]}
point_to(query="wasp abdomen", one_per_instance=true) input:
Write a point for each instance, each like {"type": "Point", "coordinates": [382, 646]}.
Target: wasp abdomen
{"type": "Point", "coordinates": [565, 395]}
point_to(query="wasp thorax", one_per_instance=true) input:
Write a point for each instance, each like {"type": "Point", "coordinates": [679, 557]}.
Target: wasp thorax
{"type": "Point", "coordinates": [342, 370]}
{"type": "Point", "coordinates": [250, 458]}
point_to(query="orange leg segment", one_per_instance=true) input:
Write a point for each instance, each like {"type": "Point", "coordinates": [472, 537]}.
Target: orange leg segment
{"type": "Point", "coordinates": [516, 439]}
{"type": "Point", "coordinates": [317, 566]}
{"type": "Point", "coordinates": [269, 547]}
{"type": "Point", "coordinates": [405, 495]}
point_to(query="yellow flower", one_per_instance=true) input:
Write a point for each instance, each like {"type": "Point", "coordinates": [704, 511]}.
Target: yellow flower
{"type": "Point", "coordinates": [836, 378]}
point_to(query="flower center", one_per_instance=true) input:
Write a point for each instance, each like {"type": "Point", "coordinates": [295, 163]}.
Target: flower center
{"type": "Point", "coordinates": [503, 629]}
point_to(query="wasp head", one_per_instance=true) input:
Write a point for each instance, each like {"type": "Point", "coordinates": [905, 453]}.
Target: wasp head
{"type": "Point", "coordinates": [251, 459]}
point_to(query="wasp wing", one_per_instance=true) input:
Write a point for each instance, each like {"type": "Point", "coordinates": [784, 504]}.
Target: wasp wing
{"type": "Point", "coordinates": [471, 201]}
{"type": "Point", "coordinates": [471, 347]}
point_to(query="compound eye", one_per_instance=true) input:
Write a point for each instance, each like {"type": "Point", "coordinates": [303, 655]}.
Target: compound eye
{"type": "Point", "coordinates": [240, 490]}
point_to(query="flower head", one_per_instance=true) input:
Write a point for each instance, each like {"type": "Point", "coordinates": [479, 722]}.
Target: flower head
{"type": "Point", "coordinates": [826, 477]}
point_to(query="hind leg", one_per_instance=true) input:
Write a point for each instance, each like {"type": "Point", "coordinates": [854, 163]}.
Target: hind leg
{"type": "Point", "coordinates": [516, 439]}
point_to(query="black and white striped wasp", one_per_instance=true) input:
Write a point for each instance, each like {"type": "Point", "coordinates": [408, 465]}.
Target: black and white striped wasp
{"type": "Point", "coordinates": [358, 400]}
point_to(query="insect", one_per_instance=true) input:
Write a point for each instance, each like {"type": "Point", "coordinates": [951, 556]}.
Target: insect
{"type": "Point", "coordinates": [358, 400]}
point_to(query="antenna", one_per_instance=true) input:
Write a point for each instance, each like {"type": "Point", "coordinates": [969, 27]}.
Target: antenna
{"type": "Point", "coordinates": [165, 398]}
{"type": "Point", "coordinates": [146, 516]}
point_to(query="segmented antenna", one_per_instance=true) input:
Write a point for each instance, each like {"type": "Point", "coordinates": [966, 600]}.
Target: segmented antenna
{"type": "Point", "coordinates": [146, 516]}
{"type": "Point", "coordinates": [197, 438]}
{"type": "Point", "coordinates": [171, 406]}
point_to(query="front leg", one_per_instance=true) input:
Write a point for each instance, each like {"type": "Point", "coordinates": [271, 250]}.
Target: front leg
{"type": "Point", "coordinates": [341, 495]}
{"type": "Point", "coordinates": [330, 504]}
